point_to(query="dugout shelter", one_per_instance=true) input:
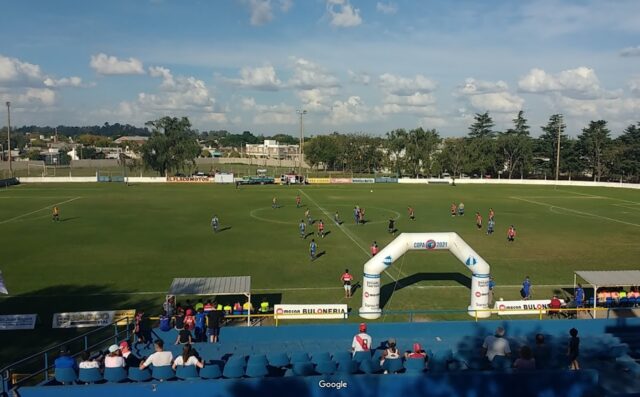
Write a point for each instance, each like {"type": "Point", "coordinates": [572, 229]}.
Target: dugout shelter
{"type": "Point", "coordinates": [604, 279]}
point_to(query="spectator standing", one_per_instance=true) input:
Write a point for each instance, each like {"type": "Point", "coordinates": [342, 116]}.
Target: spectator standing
{"type": "Point", "coordinates": [199, 305]}
{"type": "Point", "coordinates": [526, 361]}
{"type": "Point", "coordinates": [573, 350]}
{"type": "Point", "coordinates": [579, 296]}
{"type": "Point", "coordinates": [201, 325]}
{"type": "Point", "coordinates": [114, 359]}
{"type": "Point", "coordinates": [208, 306]}
{"type": "Point", "coordinates": [165, 322]}
{"type": "Point", "coordinates": [189, 320]}
{"type": "Point", "coordinates": [492, 285]}
{"type": "Point", "coordinates": [214, 320]}
{"type": "Point", "coordinates": [541, 352]}
{"type": "Point", "coordinates": [361, 341]}
{"type": "Point", "coordinates": [130, 359]}
{"type": "Point", "coordinates": [159, 358]}
{"type": "Point", "coordinates": [496, 345]}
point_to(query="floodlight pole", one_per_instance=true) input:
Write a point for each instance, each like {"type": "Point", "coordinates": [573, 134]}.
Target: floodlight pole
{"type": "Point", "coordinates": [9, 135]}
{"type": "Point", "coordinates": [558, 150]}
{"type": "Point", "coordinates": [301, 112]}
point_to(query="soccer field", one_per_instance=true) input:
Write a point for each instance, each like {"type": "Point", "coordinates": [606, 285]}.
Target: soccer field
{"type": "Point", "coordinates": [119, 247]}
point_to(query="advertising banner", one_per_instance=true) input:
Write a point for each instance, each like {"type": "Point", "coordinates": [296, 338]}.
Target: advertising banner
{"type": "Point", "coordinates": [90, 319]}
{"type": "Point", "coordinates": [10, 322]}
{"type": "Point", "coordinates": [189, 179]}
{"type": "Point", "coordinates": [508, 308]}
{"type": "Point", "coordinates": [319, 311]}
{"type": "Point", "coordinates": [224, 178]}
{"type": "Point", "coordinates": [363, 180]}
{"type": "Point", "coordinates": [317, 181]}
{"type": "Point", "coordinates": [340, 180]}
{"type": "Point", "coordinates": [386, 179]}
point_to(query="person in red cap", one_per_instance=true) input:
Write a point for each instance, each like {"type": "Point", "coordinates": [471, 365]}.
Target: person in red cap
{"type": "Point", "coordinates": [416, 353]}
{"type": "Point", "coordinates": [362, 341]}
{"type": "Point", "coordinates": [130, 359]}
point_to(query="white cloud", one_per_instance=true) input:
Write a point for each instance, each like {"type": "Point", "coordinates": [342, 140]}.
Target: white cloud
{"type": "Point", "coordinates": [432, 122]}
{"type": "Point", "coordinates": [270, 114]}
{"type": "Point", "coordinates": [353, 110]}
{"type": "Point", "coordinates": [44, 96]}
{"type": "Point", "coordinates": [110, 65]}
{"type": "Point", "coordinates": [15, 72]}
{"type": "Point", "coordinates": [261, 11]}
{"type": "Point", "coordinates": [630, 52]}
{"type": "Point", "coordinates": [387, 8]}
{"type": "Point", "coordinates": [359, 78]}
{"type": "Point", "coordinates": [621, 109]}
{"type": "Point", "coordinates": [579, 83]}
{"type": "Point", "coordinates": [308, 75]}
{"type": "Point", "coordinates": [634, 86]}
{"type": "Point", "coordinates": [500, 102]}
{"type": "Point", "coordinates": [73, 81]}
{"type": "Point", "coordinates": [398, 85]}
{"type": "Point", "coordinates": [259, 78]}
{"type": "Point", "coordinates": [285, 5]}
{"type": "Point", "coordinates": [317, 100]}
{"type": "Point", "coordinates": [472, 86]}
{"type": "Point", "coordinates": [167, 77]}
{"type": "Point", "coordinates": [343, 14]}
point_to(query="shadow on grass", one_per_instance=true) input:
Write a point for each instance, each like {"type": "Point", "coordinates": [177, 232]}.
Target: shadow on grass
{"type": "Point", "coordinates": [387, 290]}
{"type": "Point", "coordinates": [59, 299]}
{"type": "Point", "coordinates": [224, 229]}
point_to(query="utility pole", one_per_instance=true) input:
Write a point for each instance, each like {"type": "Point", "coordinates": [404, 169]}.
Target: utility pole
{"type": "Point", "coordinates": [558, 150]}
{"type": "Point", "coordinates": [301, 112]}
{"type": "Point", "coordinates": [9, 135]}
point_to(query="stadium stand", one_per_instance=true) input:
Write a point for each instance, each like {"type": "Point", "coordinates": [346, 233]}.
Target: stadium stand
{"type": "Point", "coordinates": [310, 360]}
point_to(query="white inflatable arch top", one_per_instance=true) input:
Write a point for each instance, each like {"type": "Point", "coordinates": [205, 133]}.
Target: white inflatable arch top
{"type": "Point", "coordinates": [478, 267]}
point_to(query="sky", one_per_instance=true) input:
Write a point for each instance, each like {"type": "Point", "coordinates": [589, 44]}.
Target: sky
{"type": "Point", "coordinates": [353, 65]}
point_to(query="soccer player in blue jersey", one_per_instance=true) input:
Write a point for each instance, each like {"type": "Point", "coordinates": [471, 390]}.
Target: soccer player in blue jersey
{"type": "Point", "coordinates": [313, 249]}
{"type": "Point", "coordinates": [303, 228]}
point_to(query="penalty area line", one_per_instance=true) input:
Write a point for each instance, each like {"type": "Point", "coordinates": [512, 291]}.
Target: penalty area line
{"type": "Point", "coordinates": [41, 209]}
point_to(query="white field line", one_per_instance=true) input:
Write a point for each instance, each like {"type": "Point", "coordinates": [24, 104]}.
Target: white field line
{"type": "Point", "coordinates": [262, 290]}
{"type": "Point", "coordinates": [34, 197]}
{"type": "Point", "coordinates": [606, 197]}
{"type": "Point", "coordinates": [629, 207]}
{"type": "Point", "coordinates": [576, 211]}
{"type": "Point", "coordinates": [344, 230]}
{"type": "Point", "coordinates": [41, 209]}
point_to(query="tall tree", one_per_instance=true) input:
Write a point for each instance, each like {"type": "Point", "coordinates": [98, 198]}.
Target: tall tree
{"type": "Point", "coordinates": [172, 145]}
{"type": "Point", "coordinates": [547, 143]}
{"type": "Point", "coordinates": [628, 147]}
{"type": "Point", "coordinates": [454, 156]}
{"type": "Point", "coordinates": [481, 144]}
{"type": "Point", "coordinates": [515, 146]}
{"type": "Point", "coordinates": [396, 144]}
{"type": "Point", "coordinates": [482, 127]}
{"type": "Point", "coordinates": [420, 148]}
{"type": "Point", "coordinates": [593, 143]}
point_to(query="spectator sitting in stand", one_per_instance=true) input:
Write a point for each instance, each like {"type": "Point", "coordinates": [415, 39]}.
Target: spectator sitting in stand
{"type": "Point", "coordinates": [496, 345]}
{"type": "Point", "coordinates": [391, 352]}
{"type": "Point", "coordinates": [247, 307]}
{"type": "Point", "coordinates": [187, 358]}
{"type": "Point", "coordinates": [87, 362]}
{"type": "Point", "coordinates": [184, 337]}
{"type": "Point", "coordinates": [130, 359]}
{"type": "Point", "coordinates": [362, 341]}
{"type": "Point", "coordinates": [114, 359]}
{"type": "Point", "coordinates": [554, 307]}
{"type": "Point", "coordinates": [159, 358]}
{"type": "Point", "coordinates": [237, 308]}
{"type": "Point", "coordinates": [416, 353]}
{"type": "Point", "coordinates": [541, 352]}
{"type": "Point", "coordinates": [526, 361]}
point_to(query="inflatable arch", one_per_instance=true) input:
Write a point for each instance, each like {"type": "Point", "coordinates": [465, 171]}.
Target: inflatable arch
{"type": "Point", "coordinates": [425, 242]}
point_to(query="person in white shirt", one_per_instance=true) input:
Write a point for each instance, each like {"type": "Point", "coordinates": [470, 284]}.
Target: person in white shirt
{"type": "Point", "coordinates": [87, 362]}
{"type": "Point", "coordinates": [362, 341]}
{"type": "Point", "coordinates": [159, 358]}
{"type": "Point", "coordinates": [114, 359]}
{"type": "Point", "coordinates": [496, 345]}
{"type": "Point", "coordinates": [187, 358]}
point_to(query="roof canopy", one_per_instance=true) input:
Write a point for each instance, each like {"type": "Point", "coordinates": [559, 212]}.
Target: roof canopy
{"type": "Point", "coordinates": [211, 286]}
{"type": "Point", "coordinates": [611, 278]}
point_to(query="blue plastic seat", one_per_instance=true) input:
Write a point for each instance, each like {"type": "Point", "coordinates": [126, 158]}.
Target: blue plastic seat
{"type": "Point", "coordinates": [347, 367]}
{"type": "Point", "coordinates": [392, 365]}
{"type": "Point", "coordinates": [139, 375]}
{"type": "Point", "coordinates": [279, 359]}
{"type": "Point", "coordinates": [210, 371]}
{"type": "Point", "coordinates": [299, 357]}
{"type": "Point", "coordinates": [115, 374]}
{"type": "Point", "coordinates": [359, 356]}
{"type": "Point", "coordinates": [89, 375]}
{"type": "Point", "coordinates": [162, 372]}
{"type": "Point", "coordinates": [414, 365]}
{"type": "Point", "coordinates": [66, 375]}
{"type": "Point", "coordinates": [341, 356]}
{"type": "Point", "coordinates": [320, 357]}
{"type": "Point", "coordinates": [327, 367]}
{"type": "Point", "coordinates": [257, 359]}
{"type": "Point", "coordinates": [303, 368]}
{"type": "Point", "coordinates": [186, 372]}
{"type": "Point", "coordinates": [370, 366]}
{"type": "Point", "coordinates": [232, 371]}
{"type": "Point", "coordinates": [624, 302]}
{"type": "Point", "coordinates": [257, 370]}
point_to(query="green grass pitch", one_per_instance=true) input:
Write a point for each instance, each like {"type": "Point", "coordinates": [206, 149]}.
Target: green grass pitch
{"type": "Point", "coordinates": [119, 247]}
